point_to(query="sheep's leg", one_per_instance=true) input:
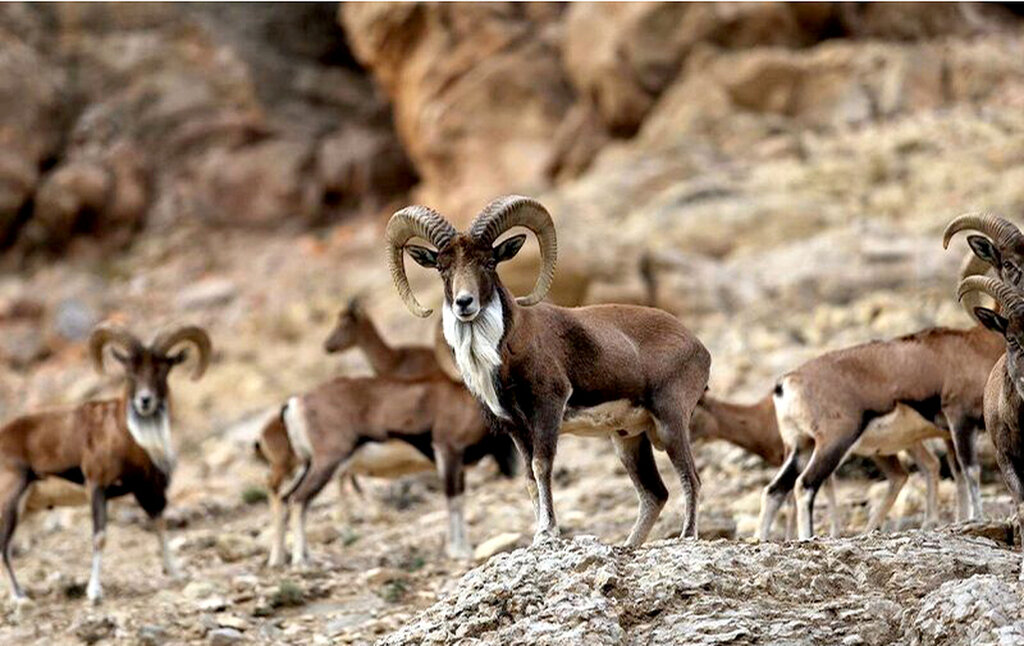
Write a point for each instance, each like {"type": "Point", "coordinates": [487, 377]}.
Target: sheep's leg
{"type": "Point", "coordinates": [98, 502]}
{"type": "Point", "coordinates": [453, 475]}
{"type": "Point", "coordinates": [543, 461]}
{"type": "Point", "coordinates": [896, 476]}
{"type": "Point", "coordinates": [672, 410]}
{"type": "Point", "coordinates": [345, 475]}
{"type": "Point", "coordinates": [313, 482]}
{"type": "Point", "coordinates": [278, 513]}
{"type": "Point", "coordinates": [545, 424]}
{"type": "Point", "coordinates": [636, 455]}
{"type": "Point", "coordinates": [13, 485]}
{"type": "Point", "coordinates": [776, 492]}
{"type": "Point", "coordinates": [967, 456]}
{"type": "Point", "coordinates": [300, 550]}
{"type": "Point", "coordinates": [930, 467]}
{"type": "Point", "coordinates": [962, 495]}
{"type": "Point", "coordinates": [279, 520]}
{"type": "Point", "coordinates": [525, 448]}
{"type": "Point", "coordinates": [154, 501]}
{"type": "Point", "coordinates": [834, 521]}
{"type": "Point", "coordinates": [827, 456]}
{"type": "Point", "coordinates": [791, 514]}
{"type": "Point", "coordinates": [170, 568]}
{"type": "Point", "coordinates": [1011, 465]}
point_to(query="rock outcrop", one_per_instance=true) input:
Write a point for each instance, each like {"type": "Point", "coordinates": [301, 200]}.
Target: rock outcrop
{"type": "Point", "coordinates": [116, 118]}
{"type": "Point", "coordinates": [916, 588]}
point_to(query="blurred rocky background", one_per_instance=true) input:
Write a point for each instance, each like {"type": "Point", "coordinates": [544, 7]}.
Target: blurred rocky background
{"type": "Point", "coordinates": [777, 175]}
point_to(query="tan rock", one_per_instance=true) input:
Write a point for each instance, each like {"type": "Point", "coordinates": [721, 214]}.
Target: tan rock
{"type": "Point", "coordinates": [504, 542]}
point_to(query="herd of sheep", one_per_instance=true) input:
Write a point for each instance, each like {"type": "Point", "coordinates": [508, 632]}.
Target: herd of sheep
{"type": "Point", "coordinates": [512, 373]}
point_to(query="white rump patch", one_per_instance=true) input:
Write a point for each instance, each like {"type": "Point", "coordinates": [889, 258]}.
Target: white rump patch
{"type": "Point", "coordinates": [475, 345]}
{"type": "Point", "coordinates": [297, 428]}
{"type": "Point", "coordinates": [153, 434]}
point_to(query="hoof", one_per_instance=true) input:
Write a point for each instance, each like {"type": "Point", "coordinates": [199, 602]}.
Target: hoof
{"type": "Point", "coordinates": [545, 536]}
{"type": "Point", "coordinates": [95, 595]}
{"type": "Point", "coordinates": [20, 601]}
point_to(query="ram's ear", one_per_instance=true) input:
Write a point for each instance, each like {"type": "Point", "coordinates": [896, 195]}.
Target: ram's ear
{"type": "Point", "coordinates": [123, 358]}
{"type": "Point", "coordinates": [178, 357]}
{"type": "Point", "coordinates": [424, 257]}
{"type": "Point", "coordinates": [991, 320]}
{"type": "Point", "coordinates": [984, 249]}
{"type": "Point", "coordinates": [508, 249]}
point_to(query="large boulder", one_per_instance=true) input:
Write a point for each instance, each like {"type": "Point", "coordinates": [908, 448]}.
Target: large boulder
{"type": "Point", "coordinates": [621, 56]}
{"type": "Point", "coordinates": [124, 117]}
{"type": "Point", "coordinates": [919, 588]}
{"type": "Point", "coordinates": [478, 93]}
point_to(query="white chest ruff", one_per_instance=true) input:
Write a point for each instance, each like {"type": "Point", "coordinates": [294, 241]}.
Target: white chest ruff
{"type": "Point", "coordinates": [153, 435]}
{"type": "Point", "coordinates": [475, 346]}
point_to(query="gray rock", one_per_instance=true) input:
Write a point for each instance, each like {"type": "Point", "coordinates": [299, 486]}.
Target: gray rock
{"type": "Point", "coordinates": [224, 636]}
{"type": "Point", "coordinates": [73, 319]}
{"type": "Point", "coordinates": [207, 293]}
{"type": "Point", "coordinates": [152, 635]}
{"type": "Point", "coordinates": [92, 629]}
{"type": "Point", "coordinates": [905, 588]}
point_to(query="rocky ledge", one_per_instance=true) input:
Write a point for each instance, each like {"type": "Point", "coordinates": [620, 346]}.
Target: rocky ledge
{"type": "Point", "coordinates": [907, 588]}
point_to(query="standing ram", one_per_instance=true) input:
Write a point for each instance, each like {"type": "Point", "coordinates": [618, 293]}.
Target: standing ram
{"type": "Point", "coordinates": [114, 447]}
{"type": "Point", "coordinates": [631, 372]}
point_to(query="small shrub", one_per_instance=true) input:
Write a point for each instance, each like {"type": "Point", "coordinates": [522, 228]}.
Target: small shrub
{"type": "Point", "coordinates": [349, 536]}
{"type": "Point", "coordinates": [394, 590]}
{"type": "Point", "coordinates": [254, 495]}
{"type": "Point", "coordinates": [413, 561]}
{"type": "Point", "coordinates": [288, 594]}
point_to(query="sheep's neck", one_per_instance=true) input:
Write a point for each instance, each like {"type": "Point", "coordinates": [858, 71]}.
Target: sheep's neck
{"type": "Point", "coordinates": [382, 357]}
{"type": "Point", "coordinates": [752, 427]}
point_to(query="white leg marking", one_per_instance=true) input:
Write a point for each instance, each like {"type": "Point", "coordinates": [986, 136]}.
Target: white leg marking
{"type": "Point", "coordinates": [166, 558]}
{"type": "Point", "coordinates": [974, 487]}
{"type": "Point", "coordinates": [834, 520]}
{"type": "Point", "coordinates": [278, 519]}
{"type": "Point", "coordinates": [299, 550]}
{"type": "Point", "coordinates": [458, 539]}
{"type": "Point", "coordinates": [94, 591]}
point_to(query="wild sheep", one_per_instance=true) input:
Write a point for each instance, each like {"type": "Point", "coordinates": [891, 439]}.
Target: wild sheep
{"type": "Point", "coordinates": [829, 401]}
{"type": "Point", "coordinates": [754, 427]}
{"type": "Point", "coordinates": [323, 428]}
{"type": "Point", "coordinates": [1004, 389]}
{"type": "Point", "coordinates": [602, 369]}
{"type": "Point", "coordinates": [114, 447]}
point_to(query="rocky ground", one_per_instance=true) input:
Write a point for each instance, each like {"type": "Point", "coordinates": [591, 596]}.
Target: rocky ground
{"type": "Point", "coordinates": [786, 169]}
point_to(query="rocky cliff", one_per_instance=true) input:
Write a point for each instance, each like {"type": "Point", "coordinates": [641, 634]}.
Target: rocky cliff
{"type": "Point", "coordinates": [781, 171]}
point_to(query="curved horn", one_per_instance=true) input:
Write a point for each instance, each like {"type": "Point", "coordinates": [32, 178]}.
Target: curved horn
{"type": "Point", "coordinates": [972, 265]}
{"type": "Point", "coordinates": [1003, 232]}
{"type": "Point", "coordinates": [1007, 297]}
{"type": "Point", "coordinates": [107, 334]}
{"type": "Point", "coordinates": [412, 222]}
{"type": "Point", "coordinates": [515, 210]}
{"type": "Point", "coordinates": [193, 334]}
